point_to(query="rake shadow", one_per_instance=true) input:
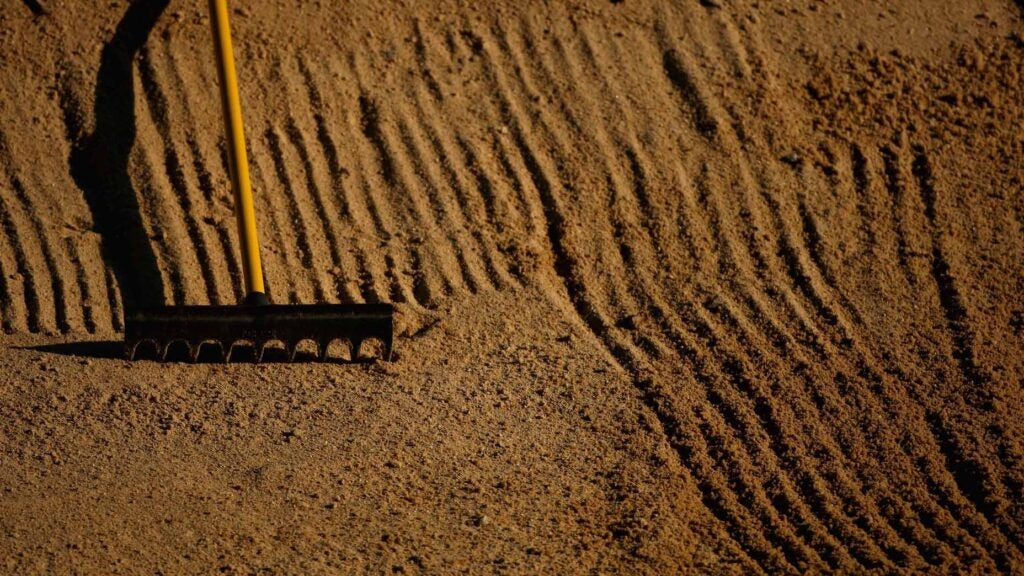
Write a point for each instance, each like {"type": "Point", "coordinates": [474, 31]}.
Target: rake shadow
{"type": "Point", "coordinates": [99, 161]}
{"type": "Point", "coordinates": [106, 350]}
{"type": "Point", "coordinates": [208, 354]}
{"type": "Point", "coordinates": [35, 7]}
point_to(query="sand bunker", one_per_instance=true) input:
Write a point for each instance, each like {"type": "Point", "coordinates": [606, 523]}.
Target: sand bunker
{"type": "Point", "coordinates": [723, 286]}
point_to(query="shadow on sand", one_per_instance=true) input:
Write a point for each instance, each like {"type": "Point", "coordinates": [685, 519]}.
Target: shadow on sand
{"type": "Point", "coordinates": [93, 349]}
{"type": "Point", "coordinates": [208, 353]}
{"type": "Point", "coordinates": [99, 162]}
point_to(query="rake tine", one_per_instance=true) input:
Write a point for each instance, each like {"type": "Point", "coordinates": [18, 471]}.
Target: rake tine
{"type": "Point", "coordinates": [227, 326]}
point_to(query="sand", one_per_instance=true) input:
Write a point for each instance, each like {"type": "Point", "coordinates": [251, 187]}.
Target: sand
{"type": "Point", "coordinates": [715, 286]}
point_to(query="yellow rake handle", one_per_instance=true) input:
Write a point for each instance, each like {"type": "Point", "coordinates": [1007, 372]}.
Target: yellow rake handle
{"type": "Point", "coordinates": [252, 269]}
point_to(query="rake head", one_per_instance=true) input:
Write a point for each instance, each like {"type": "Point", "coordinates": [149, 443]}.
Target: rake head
{"type": "Point", "coordinates": [257, 326]}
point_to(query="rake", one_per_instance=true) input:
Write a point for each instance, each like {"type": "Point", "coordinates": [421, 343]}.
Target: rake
{"type": "Point", "coordinates": [255, 322]}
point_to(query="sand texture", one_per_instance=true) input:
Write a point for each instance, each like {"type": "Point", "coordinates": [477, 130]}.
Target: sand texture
{"type": "Point", "coordinates": [703, 286]}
